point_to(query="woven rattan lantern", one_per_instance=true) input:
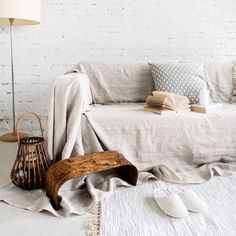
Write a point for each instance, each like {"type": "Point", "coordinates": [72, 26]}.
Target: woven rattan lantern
{"type": "Point", "coordinates": [32, 160]}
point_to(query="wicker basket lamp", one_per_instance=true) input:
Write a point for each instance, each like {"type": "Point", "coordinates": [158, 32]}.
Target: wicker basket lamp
{"type": "Point", "coordinates": [32, 160]}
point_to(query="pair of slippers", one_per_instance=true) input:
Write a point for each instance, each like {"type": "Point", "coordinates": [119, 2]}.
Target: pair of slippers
{"type": "Point", "coordinates": [176, 202]}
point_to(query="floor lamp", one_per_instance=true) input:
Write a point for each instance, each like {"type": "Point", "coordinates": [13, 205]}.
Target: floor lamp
{"type": "Point", "coordinates": [17, 12]}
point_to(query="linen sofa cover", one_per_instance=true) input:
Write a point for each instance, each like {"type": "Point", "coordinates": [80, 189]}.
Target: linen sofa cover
{"type": "Point", "coordinates": [192, 138]}
{"type": "Point", "coordinates": [117, 82]}
{"type": "Point", "coordinates": [70, 97]}
{"type": "Point", "coordinates": [180, 142]}
{"type": "Point", "coordinates": [182, 148]}
{"type": "Point", "coordinates": [113, 82]}
{"type": "Point", "coordinates": [220, 80]}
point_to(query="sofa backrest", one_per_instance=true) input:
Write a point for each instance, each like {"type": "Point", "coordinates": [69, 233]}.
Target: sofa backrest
{"type": "Point", "coordinates": [118, 82]}
{"type": "Point", "coordinates": [219, 75]}
{"type": "Point", "coordinates": [133, 82]}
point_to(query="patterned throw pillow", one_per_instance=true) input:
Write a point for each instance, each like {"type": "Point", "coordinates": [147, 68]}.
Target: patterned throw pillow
{"type": "Point", "coordinates": [181, 78]}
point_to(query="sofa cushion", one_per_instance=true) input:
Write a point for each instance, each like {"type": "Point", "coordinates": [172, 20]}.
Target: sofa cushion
{"type": "Point", "coordinates": [147, 139]}
{"type": "Point", "coordinates": [118, 82]}
{"type": "Point", "coordinates": [181, 78]}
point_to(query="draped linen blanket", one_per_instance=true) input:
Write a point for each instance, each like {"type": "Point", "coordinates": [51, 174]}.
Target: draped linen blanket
{"type": "Point", "coordinates": [182, 148]}
{"type": "Point", "coordinates": [70, 97]}
{"type": "Point", "coordinates": [179, 148]}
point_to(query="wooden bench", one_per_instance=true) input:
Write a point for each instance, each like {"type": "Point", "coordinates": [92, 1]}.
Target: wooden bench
{"type": "Point", "coordinates": [64, 170]}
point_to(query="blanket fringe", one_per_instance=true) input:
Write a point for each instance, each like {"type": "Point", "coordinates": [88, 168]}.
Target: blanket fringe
{"type": "Point", "coordinates": [92, 225]}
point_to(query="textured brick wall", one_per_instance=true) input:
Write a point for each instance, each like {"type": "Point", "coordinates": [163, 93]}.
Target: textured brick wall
{"type": "Point", "coordinates": [138, 30]}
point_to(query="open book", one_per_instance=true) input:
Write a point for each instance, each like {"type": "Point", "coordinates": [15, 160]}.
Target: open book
{"type": "Point", "coordinates": [164, 102]}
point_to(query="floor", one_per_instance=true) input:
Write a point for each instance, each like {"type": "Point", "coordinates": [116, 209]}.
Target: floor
{"type": "Point", "coordinates": [14, 221]}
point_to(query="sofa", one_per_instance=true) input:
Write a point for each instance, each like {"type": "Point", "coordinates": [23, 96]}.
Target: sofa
{"type": "Point", "coordinates": [98, 106]}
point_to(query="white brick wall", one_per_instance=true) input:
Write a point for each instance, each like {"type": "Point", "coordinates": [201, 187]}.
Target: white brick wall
{"type": "Point", "coordinates": [138, 30]}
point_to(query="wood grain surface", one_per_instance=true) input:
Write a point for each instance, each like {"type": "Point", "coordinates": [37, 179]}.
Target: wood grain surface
{"type": "Point", "coordinates": [64, 170]}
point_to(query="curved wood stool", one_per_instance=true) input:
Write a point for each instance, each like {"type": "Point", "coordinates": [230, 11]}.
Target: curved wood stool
{"type": "Point", "coordinates": [65, 170]}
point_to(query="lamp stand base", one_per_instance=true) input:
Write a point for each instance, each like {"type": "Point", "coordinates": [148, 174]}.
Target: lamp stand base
{"type": "Point", "coordinates": [12, 137]}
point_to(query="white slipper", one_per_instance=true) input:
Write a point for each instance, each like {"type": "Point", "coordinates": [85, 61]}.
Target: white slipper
{"type": "Point", "coordinates": [171, 204]}
{"type": "Point", "coordinates": [190, 199]}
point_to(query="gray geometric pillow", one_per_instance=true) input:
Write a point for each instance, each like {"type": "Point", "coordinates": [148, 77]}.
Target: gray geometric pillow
{"type": "Point", "coordinates": [181, 78]}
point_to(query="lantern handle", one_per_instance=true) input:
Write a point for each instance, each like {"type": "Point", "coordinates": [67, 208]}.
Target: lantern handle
{"type": "Point", "coordinates": [28, 113]}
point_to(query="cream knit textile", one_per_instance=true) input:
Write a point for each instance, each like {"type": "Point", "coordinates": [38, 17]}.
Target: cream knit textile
{"type": "Point", "coordinates": [135, 211]}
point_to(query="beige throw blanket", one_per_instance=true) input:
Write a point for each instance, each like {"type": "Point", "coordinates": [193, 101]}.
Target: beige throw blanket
{"type": "Point", "coordinates": [189, 147]}
{"type": "Point", "coordinates": [67, 136]}
{"type": "Point", "coordinates": [181, 148]}
{"type": "Point", "coordinates": [70, 97]}
{"type": "Point", "coordinates": [135, 138]}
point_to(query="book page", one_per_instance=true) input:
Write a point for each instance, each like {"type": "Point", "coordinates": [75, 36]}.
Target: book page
{"type": "Point", "coordinates": [182, 102]}
{"type": "Point", "coordinates": [159, 111]}
{"type": "Point", "coordinates": [170, 98]}
{"type": "Point", "coordinates": [159, 101]}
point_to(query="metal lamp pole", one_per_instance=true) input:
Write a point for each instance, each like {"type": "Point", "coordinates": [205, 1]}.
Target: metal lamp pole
{"type": "Point", "coordinates": [12, 137]}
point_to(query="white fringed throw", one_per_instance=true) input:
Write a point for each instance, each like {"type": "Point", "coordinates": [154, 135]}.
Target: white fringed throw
{"type": "Point", "coordinates": [133, 211]}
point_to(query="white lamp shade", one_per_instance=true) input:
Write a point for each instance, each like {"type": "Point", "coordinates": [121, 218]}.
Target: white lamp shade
{"type": "Point", "coordinates": [24, 12]}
